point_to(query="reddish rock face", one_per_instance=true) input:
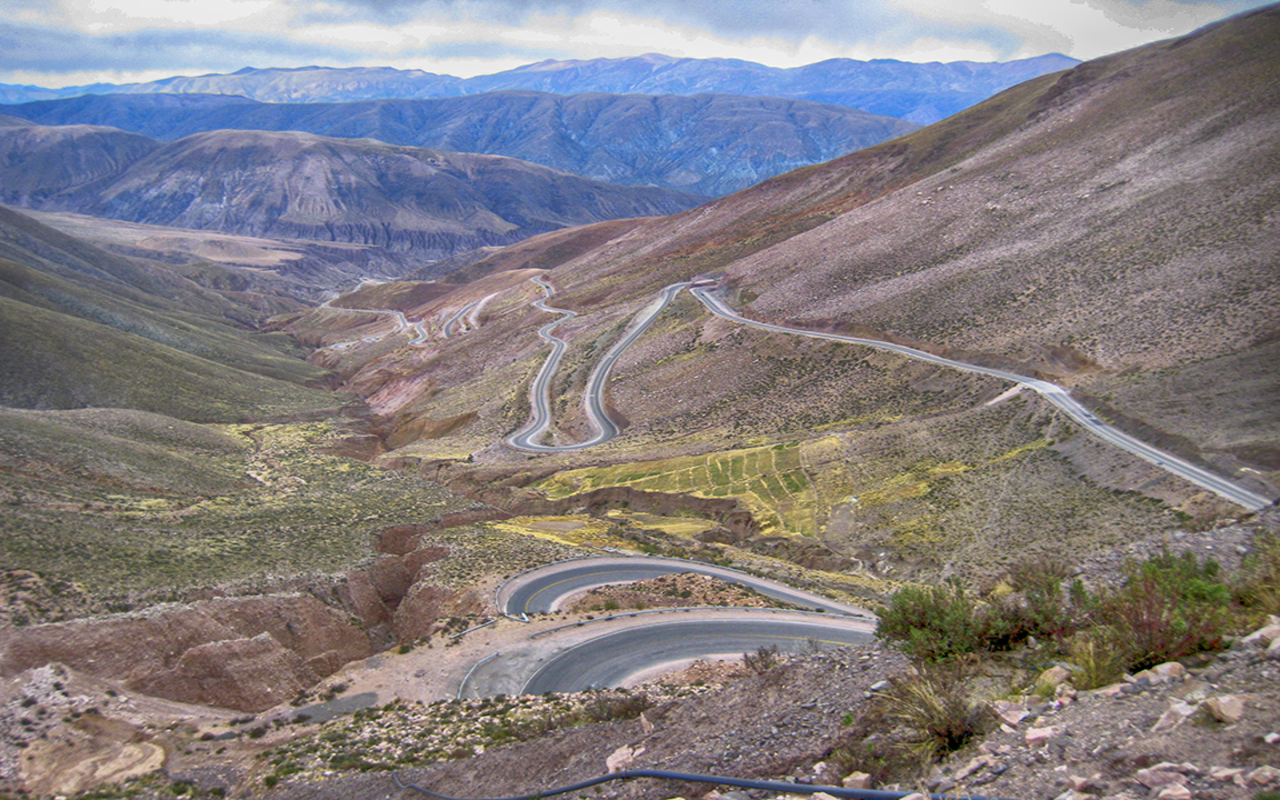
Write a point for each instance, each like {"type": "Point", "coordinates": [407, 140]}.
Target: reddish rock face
{"type": "Point", "coordinates": [425, 605]}
{"type": "Point", "coordinates": [241, 653]}
{"type": "Point", "coordinates": [243, 674]}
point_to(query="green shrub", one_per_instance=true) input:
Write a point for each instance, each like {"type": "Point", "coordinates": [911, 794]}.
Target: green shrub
{"type": "Point", "coordinates": [932, 623]}
{"type": "Point", "coordinates": [1170, 607]}
{"type": "Point", "coordinates": [1047, 612]}
{"type": "Point", "coordinates": [1258, 590]}
{"type": "Point", "coordinates": [1100, 662]}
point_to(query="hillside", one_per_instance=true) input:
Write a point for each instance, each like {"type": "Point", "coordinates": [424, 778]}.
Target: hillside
{"type": "Point", "coordinates": [300, 186]}
{"type": "Point", "coordinates": [709, 144]}
{"type": "Point", "coordinates": [86, 329]}
{"type": "Point", "coordinates": [1053, 229]}
{"type": "Point", "coordinates": [229, 570]}
{"type": "Point", "coordinates": [922, 93]}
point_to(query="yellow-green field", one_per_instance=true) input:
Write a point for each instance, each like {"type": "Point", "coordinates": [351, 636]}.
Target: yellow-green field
{"type": "Point", "coordinates": [770, 481]}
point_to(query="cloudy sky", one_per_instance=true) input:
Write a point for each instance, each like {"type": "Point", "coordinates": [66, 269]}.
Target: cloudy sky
{"type": "Point", "coordinates": [58, 43]}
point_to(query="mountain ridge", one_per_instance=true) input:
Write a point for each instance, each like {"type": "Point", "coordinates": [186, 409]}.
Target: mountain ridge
{"type": "Point", "coordinates": [705, 144]}
{"type": "Point", "coordinates": [300, 186]}
{"type": "Point", "coordinates": [923, 93]}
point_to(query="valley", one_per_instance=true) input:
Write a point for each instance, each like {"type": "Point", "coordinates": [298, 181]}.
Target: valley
{"type": "Point", "coordinates": [329, 465]}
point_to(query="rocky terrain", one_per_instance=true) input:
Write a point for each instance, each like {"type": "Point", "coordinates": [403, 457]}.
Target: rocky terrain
{"type": "Point", "coordinates": [250, 546]}
{"type": "Point", "coordinates": [708, 144]}
{"type": "Point", "coordinates": [1049, 233]}
{"type": "Point", "coordinates": [923, 93]}
{"type": "Point", "coordinates": [1206, 726]}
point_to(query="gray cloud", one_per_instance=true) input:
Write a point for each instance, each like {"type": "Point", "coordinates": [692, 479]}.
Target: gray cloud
{"type": "Point", "coordinates": [55, 51]}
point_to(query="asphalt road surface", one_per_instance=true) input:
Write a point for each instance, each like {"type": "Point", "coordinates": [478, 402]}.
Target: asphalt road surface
{"type": "Point", "coordinates": [611, 659]}
{"type": "Point", "coordinates": [528, 438]}
{"type": "Point", "coordinates": [539, 591]}
{"type": "Point", "coordinates": [1055, 394]}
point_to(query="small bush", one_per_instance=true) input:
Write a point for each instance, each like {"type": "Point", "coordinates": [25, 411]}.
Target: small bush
{"type": "Point", "coordinates": [934, 704]}
{"type": "Point", "coordinates": [762, 660]}
{"type": "Point", "coordinates": [1171, 606]}
{"type": "Point", "coordinates": [1258, 590]}
{"type": "Point", "coordinates": [932, 623]}
{"type": "Point", "coordinates": [1046, 611]}
{"type": "Point", "coordinates": [1100, 662]}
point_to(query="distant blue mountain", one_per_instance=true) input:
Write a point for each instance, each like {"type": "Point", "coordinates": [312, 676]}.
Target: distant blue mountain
{"type": "Point", "coordinates": [920, 93]}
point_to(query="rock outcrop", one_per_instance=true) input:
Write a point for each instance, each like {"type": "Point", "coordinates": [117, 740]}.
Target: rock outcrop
{"type": "Point", "coordinates": [241, 653]}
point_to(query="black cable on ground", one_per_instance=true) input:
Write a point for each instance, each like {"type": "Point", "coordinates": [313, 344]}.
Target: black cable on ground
{"type": "Point", "coordinates": [720, 780]}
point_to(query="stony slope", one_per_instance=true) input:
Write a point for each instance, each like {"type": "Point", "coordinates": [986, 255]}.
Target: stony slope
{"type": "Point", "coordinates": [711, 144]}
{"type": "Point", "coordinates": [1108, 228]}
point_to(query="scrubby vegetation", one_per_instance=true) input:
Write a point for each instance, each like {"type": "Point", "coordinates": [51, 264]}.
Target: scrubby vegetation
{"type": "Point", "coordinates": [1168, 607]}
{"type": "Point", "coordinates": [400, 734]}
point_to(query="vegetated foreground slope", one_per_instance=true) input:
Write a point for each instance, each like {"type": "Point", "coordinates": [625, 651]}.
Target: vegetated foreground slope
{"type": "Point", "coordinates": [1110, 228]}
{"type": "Point", "coordinates": [710, 144]}
{"type": "Point", "coordinates": [84, 328]}
{"type": "Point", "coordinates": [922, 93]}
{"type": "Point", "coordinates": [296, 185]}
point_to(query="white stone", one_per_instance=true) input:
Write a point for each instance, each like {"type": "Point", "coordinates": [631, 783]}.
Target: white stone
{"type": "Point", "coordinates": [1174, 715]}
{"type": "Point", "coordinates": [1036, 737]}
{"type": "Point", "coordinates": [1175, 792]}
{"type": "Point", "coordinates": [1226, 708]}
{"type": "Point", "coordinates": [1224, 773]}
{"type": "Point", "coordinates": [1010, 713]}
{"type": "Point", "coordinates": [1265, 775]}
{"type": "Point", "coordinates": [1159, 778]}
{"type": "Point", "coordinates": [975, 764]}
{"type": "Point", "coordinates": [621, 758]}
{"type": "Point", "coordinates": [1263, 636]}
{"type": "Point", "coordinates": [856, 780]}
{"type": "Point", "coordinates": [1053, 677]}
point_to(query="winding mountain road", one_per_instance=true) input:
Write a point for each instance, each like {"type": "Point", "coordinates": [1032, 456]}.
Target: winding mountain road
{"type": "Point", "coordinates": [544, 589]}
{"type": "Point", "coordinates": [610, 660]}
{"type": "Point", "coordinates": [631, 646]}
{"type": "Point", "coordinates": [1051, 392]}
{"type": "Point", "coordinates": [528, 438]}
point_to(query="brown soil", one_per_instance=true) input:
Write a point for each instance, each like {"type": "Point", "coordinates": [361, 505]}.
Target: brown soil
{"type": "Point", "coordinates": [670, 591]}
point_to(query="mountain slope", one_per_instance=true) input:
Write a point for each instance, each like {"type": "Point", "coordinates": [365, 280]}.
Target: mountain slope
{"type": "Point", "coordinates": [709, 144]}
{"type": "Point", "coordinates": [295, 185]}
{"type": "Point", "coordinates": [42, 161]}
{"type": "Point", "coordinates": [921, 93]}
{"type": "Point", "coordinates": [1110, 228]}
{"type": "Point", "coordinates": [85, 328]}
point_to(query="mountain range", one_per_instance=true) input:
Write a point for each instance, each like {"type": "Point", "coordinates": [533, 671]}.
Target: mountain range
{"type": "Point", "coordinates": [708, 144]}
{"type": "Point", "coordinates": [218, 489]}
{"type": "Point", "coordinates": [300, 186]}
{"type": "Point", "coordinates": [921, 93]}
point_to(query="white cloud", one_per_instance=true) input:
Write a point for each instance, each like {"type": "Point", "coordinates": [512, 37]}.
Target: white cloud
{"type": "Point", "coordinates": [471, 37]}
{"type": "Point", "coordinates": [113, 17]}
{"type": "Point", "coordinates": [1080, 28]}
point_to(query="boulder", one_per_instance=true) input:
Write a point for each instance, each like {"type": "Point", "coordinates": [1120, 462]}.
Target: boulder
{"type": "Point", "coordinates": [1226, 708]}
{"type": "Point", "coordinates": [301, 623]}
{"type": "Point", "coordinates": [1053, 677]}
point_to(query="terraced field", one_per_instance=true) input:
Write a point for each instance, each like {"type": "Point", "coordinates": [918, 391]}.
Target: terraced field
{"type": "Point", "coordinates": [770, 481]}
